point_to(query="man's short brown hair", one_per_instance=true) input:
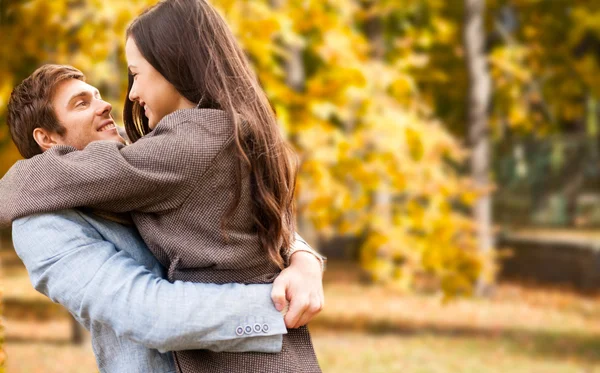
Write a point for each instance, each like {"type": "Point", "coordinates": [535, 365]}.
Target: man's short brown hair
{"type": "Point", "coordinates": [30, 106]}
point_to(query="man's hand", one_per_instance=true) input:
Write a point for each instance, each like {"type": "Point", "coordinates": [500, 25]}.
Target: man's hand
{"type": "Point", "coordinates": [302, 285]}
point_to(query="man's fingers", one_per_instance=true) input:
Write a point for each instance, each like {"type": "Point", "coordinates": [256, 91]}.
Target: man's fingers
{"type": "Point", "coordinates": [278, 294]}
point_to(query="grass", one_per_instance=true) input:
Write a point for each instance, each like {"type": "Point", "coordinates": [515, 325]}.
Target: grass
{"type": "Point", "coordinates": [429, 353]}
{"type": "Point", "coordinates": [44, 347]}
{"type": "Point", "coordinates": [520, 329]}
{"type": "Point", "coordinates": [370, 329]}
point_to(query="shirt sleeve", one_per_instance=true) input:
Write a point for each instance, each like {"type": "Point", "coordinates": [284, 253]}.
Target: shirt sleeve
{"type": "Point", "coordinates": [69, 261]}
{"type": "Point", "coordinates": [154, 174]}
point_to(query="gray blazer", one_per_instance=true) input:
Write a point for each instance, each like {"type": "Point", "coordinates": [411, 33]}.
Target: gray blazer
{"type": "Point", "coordinates": [177, 182]}
{"type": "Point", "coordinates": [104, 274]}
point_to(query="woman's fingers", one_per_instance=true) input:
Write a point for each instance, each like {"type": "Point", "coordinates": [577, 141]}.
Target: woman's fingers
{"type": "Point", "coordinates": [315, 307]}
{"type": "Point", "coordinates": [298, 306]}
{"type": "Point", "coordinates": [301, 285]}
{"type": "Point", "coordinates": [278, 293]}
{"type": "Point", "coordinates": [302, 311]}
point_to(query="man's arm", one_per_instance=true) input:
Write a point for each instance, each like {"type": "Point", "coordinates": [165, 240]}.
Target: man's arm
{"type": "Point", "coordinates": [73, 265]}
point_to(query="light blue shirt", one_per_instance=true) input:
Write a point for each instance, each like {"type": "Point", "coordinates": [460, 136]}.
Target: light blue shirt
{"type": "Point", "coordinates": [104, 274]}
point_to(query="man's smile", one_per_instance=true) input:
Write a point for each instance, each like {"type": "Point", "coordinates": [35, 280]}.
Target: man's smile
{"type": "Point", "coordinates": [106, 125]}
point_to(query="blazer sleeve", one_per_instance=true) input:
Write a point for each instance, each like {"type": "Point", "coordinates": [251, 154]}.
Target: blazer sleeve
{"type": "Point", "coordinates": [68, 261]}
{"type": "Point", "coordinates": [154, 174]}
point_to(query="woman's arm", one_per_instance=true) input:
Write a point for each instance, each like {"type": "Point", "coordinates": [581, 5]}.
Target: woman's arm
{"type": "Point", "coordinates": [300, 285]}
{"type": "Point", "coordinates": [154, 174]}
{"type": "Point", "coordinates": [301, 245]}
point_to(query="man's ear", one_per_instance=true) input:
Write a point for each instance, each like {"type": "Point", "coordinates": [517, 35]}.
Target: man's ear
{"type": "Point", "coordinates": [44, 138]}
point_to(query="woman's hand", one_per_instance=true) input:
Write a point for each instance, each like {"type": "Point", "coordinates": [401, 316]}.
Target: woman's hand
{"type": "Point", "coordinates": [302, 285]}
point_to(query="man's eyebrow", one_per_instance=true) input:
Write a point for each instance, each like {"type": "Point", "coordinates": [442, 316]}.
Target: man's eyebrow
{"type": "Point", "coordinates": [77, 95]}
{"type": "Point", "coordinates": [96, 93]}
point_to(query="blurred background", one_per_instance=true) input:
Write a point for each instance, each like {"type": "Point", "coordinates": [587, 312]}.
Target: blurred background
{"type": "Point", "coordinates": [449, 170]}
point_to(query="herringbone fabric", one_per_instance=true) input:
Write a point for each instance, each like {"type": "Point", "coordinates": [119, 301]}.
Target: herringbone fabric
{"type": "Point", "coordinates": [297, 356]}
{"type": "Point", "coordinates": [178, 181]}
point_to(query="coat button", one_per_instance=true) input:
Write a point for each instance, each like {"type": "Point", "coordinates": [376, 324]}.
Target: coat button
{"type": "Point", "coordinates": [239, 330]}
{"type": "Point", "coordinates": [248, 329]}
{"type": "Point", "coordinates": [257, 328]}
{"type": "Point", "coordinates": [265, 328]}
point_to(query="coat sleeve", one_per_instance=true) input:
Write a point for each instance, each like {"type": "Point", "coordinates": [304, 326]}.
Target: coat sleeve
{"type": "Point", "coordinates": [154, 174]}
{"type": "Point", "coordinates": [299, 244]}
{"type": "Point", "coordinates": [69, 261]}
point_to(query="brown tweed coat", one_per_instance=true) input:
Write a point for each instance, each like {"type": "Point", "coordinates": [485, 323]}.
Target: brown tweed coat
{"type": "Point", "coordinates": [177, 182]}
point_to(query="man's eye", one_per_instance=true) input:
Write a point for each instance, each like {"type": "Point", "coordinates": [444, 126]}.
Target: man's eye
{"type": "Point", "coordinates": [82, 103]}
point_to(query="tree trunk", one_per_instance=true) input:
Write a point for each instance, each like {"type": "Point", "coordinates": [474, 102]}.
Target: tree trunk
{"type": "Point", "coordinates": [374, 31]}
{"type": "Point", "coordinates": [479, 92]}
{"type": "Point", "coordinates": [296, 80]}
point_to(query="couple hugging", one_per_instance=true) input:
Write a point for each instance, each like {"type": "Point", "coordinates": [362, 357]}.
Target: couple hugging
{"type": "Point", "coordinates": [176, 249]}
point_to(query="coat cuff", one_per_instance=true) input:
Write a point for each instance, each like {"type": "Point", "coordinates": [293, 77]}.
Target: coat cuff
{"type": "Point", "coordinates": [301, 245]}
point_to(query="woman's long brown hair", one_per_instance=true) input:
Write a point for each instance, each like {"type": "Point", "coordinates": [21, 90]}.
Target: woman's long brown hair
{"type": "Point", "coordinates": [190, 44]}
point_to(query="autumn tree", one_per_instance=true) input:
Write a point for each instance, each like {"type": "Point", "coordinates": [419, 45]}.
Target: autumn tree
{"type": "Point", "coordinates": [478, 128]}
{"type": "Point", "coordinates": [344, 79]}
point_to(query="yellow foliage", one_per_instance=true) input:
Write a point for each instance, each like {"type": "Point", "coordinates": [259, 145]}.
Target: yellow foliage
{"type": "Point", "coordinates": [360, 124]}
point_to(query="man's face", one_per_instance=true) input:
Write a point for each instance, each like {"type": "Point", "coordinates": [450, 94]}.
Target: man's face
{"type": "Point", "coordinates": [83, 113]}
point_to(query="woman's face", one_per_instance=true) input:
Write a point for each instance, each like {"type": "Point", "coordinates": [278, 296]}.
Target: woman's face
{"type": "Point", "coordinates": [150, 89]}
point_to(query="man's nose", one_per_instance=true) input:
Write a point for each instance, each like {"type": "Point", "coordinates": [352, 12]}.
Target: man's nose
{"type": "Point", "coordinates": [104, 108]}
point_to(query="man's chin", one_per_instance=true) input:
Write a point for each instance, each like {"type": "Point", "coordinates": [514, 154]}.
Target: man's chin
{"type": "Point", "coordinates": [120, 140]}
{"type": "Point", "coordinates": [113, 137]}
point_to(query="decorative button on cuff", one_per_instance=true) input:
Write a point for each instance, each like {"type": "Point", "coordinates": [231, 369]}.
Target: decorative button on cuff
{"type": "Point", "coordinates": [265, 328]}
{"type": "Point", "coordinates": [239, 330]}
{"type": "Point", "coordinates": [248, 329]}
{"type": "Point", "coordinates": [257, 328]}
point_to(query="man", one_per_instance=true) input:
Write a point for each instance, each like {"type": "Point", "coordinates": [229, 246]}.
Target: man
{"type": "Point", "coordinates": [97, 266]}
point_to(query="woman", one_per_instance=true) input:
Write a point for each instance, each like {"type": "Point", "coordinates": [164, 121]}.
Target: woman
{"type": "Point", "coordinates": [209, 179]}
